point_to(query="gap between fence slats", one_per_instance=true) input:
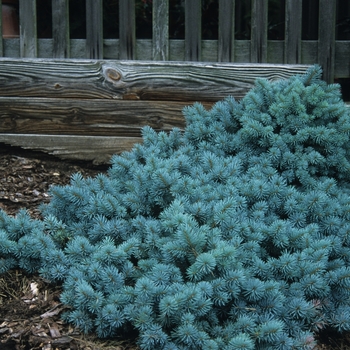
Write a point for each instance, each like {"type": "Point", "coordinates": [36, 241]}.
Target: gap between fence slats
{"type": "Point", "coordinates": [28, 28]}
{"type": "Point", "coordinates": [226, 30]}
{"type": "Point", "coordinates": [127, 30]}
{"type": "Point", "coordinates": [60, 29]}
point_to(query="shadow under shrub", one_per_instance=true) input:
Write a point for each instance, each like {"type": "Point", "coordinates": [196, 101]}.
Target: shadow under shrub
{"type": "Point", "coordinates": [231, 234]}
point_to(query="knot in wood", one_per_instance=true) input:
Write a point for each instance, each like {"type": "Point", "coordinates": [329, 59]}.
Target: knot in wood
{"type": "Point", "coordinates": [8, 122]}
{"type": "Point", "coordinates": [113, 74]}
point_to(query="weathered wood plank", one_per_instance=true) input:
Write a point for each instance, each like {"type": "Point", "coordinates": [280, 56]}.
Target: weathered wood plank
{"type": "Point", "coordinates": [11, 48]}
{"type": "Point", "coordinates": [160, 30]}
{"type": "Point", "coordinates": [210, 50]}
{"type": "Point", "coordinates": [27, 26]}
{"type": "Point", "coordinates": [137, 80]}
{"type": "Point", "coordinates": [193, 30]}
{"type": "Point", "coordinates": [97, 149]}
{"type": "Point", "coordinates": [259, 31]}
{"type": "Point", "coordinates": [77, 48]}
{"type": "Point", "coordinates": [88, 117]}
{"type": "Point", "coordinates": [293, 25]}
{"type": "Point", "coordinates": [326, 38]}
{"type": "Point", "coordinates": [111, 49]}
{"type": "Point", "coordinates": [275, 51]}
{"type": "Point", "coordinates": [242, 51]}
{"type": "Point", "coordinates": [226, 30]}
{"type": "Point", "coordinates": [342, 59]}
{"type": "Point", "coordinates": [309, 51]}
{"type": "Point", "coordinates": [60, 29]}
{"type": "Point", "coordinates": [94, 29]}
{"type": "Point", "coordinates": [127, 30]}
{"type": "Point", "coordinates": [1, 41]}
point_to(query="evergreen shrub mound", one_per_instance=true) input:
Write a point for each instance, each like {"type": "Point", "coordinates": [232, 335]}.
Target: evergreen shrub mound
{"type": "Point", "coordinates": [231, 234]}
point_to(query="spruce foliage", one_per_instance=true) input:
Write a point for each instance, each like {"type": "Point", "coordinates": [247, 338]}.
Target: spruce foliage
{"type": "Point", "coordinates": [231, 234]}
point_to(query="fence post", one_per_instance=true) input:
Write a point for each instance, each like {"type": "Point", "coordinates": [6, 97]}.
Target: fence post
{"type": "Point", "coordinates": [258, 41]}
{"type": "Point", "coordinates": [28, 29]}
{"type": "Point", "coordinates": [226, 30]}
{"type": "Point", "coordinates": [60, 29]}
{"type": "Point", "coordinates": [127, 37]}
{"type": "Point", "coordinates": [326, 38]}
{"type": "Point", "coordinates": [292, 36]}
{"type": "Point", "coordinates": [160, 30]}
{"type": "Point", "coordinates": [193, 30]}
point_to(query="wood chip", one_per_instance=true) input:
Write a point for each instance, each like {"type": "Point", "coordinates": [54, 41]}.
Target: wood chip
{"type": "Point", "coordinates": [54, 331]}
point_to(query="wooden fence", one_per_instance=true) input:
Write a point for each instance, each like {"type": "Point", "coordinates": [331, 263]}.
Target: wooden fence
{"type": "Point", "coordinates": [332, 54]}
{"type": "Point", "coordinates": [89, 98]}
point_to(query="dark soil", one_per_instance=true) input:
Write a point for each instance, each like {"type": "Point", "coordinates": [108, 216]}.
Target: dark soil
{"type": "Point", "coordinates": [30, 307]}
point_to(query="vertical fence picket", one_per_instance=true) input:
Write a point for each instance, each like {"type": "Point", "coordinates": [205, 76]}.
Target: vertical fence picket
{"type": "Point", "coordinates": [293, 24]}
{"type": "Point", "coordinates": [160, 30]}
{"type": "Point", "coordinates": [94, 29]}
{"type": "Point", "coordinates": [127, 30]}
{"type": "Point", "coordinates": [28, 28]}
{"type": "Point", "coordinates": [326, 38]}
{"type": "Point", "coordinates": [258, 41]}
{"type": "Point", "coordinates": [1, 45]}
{"type": "Point", "coordinates": [226, 30]}
{"type": "Point", "coordinates": [60, 29]}
{"type": "Point", "coordinates": [193, 30]}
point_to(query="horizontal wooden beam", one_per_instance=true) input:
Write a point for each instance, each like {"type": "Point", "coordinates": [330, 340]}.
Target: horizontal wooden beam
{"type": "Point", "coordinates": [210, 49]}
{"type": "Point", "coordinates": [98, 149]}
{"type": "Point", "coordinates": [59, 116]}
{"type": "Point", "coordinates": [91, 109]}
{"type": "Point", "coordinates": [134, 80]}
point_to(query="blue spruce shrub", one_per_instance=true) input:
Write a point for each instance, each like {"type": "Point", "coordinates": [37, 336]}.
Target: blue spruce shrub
{"type": "Point", "coordinates": [231, 234]}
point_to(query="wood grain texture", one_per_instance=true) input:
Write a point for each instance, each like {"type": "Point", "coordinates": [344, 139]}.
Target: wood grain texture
{"type": "Point", "coordinates": [127, 30]}
{"type": "Point", "coordinates": [259, 31]}
{"type": "Point", "coordinates": [160, 30]}
{"type": "Point", "coordinates": [60, 29]}
{"type": "Point", "coordinates": [326, 45]}
{"type": "Point", "coordinates": [1, 41]}
{"type": "Point", "coordinates": [226, 30]}
{"type": "Point", "coordinates": [28, 28]}
{"type": "Point", "coordinates": [134, 80]}
{"type": "Point", "coordinates": [144, 47]}
{"type": "Point", "coordinates": [193, 30]}
{"type": "Point", "coordinates": [293, 25]}
{"type": "Point", "coordinates": [86, 109]}
{"type": "Point", "coordinates": [94, 29]}
{"type": "Point", "coordinates": [97, 149]}
{"type": "Point", "coordinates": [88, 117]}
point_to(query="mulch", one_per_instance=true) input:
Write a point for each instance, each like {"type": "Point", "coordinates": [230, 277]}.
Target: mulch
{"type": "Point", "coordinates": [30, 307]}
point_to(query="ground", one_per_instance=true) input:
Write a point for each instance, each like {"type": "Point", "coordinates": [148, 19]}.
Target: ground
{"type": "Point", "coordinates": [30, 307]}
